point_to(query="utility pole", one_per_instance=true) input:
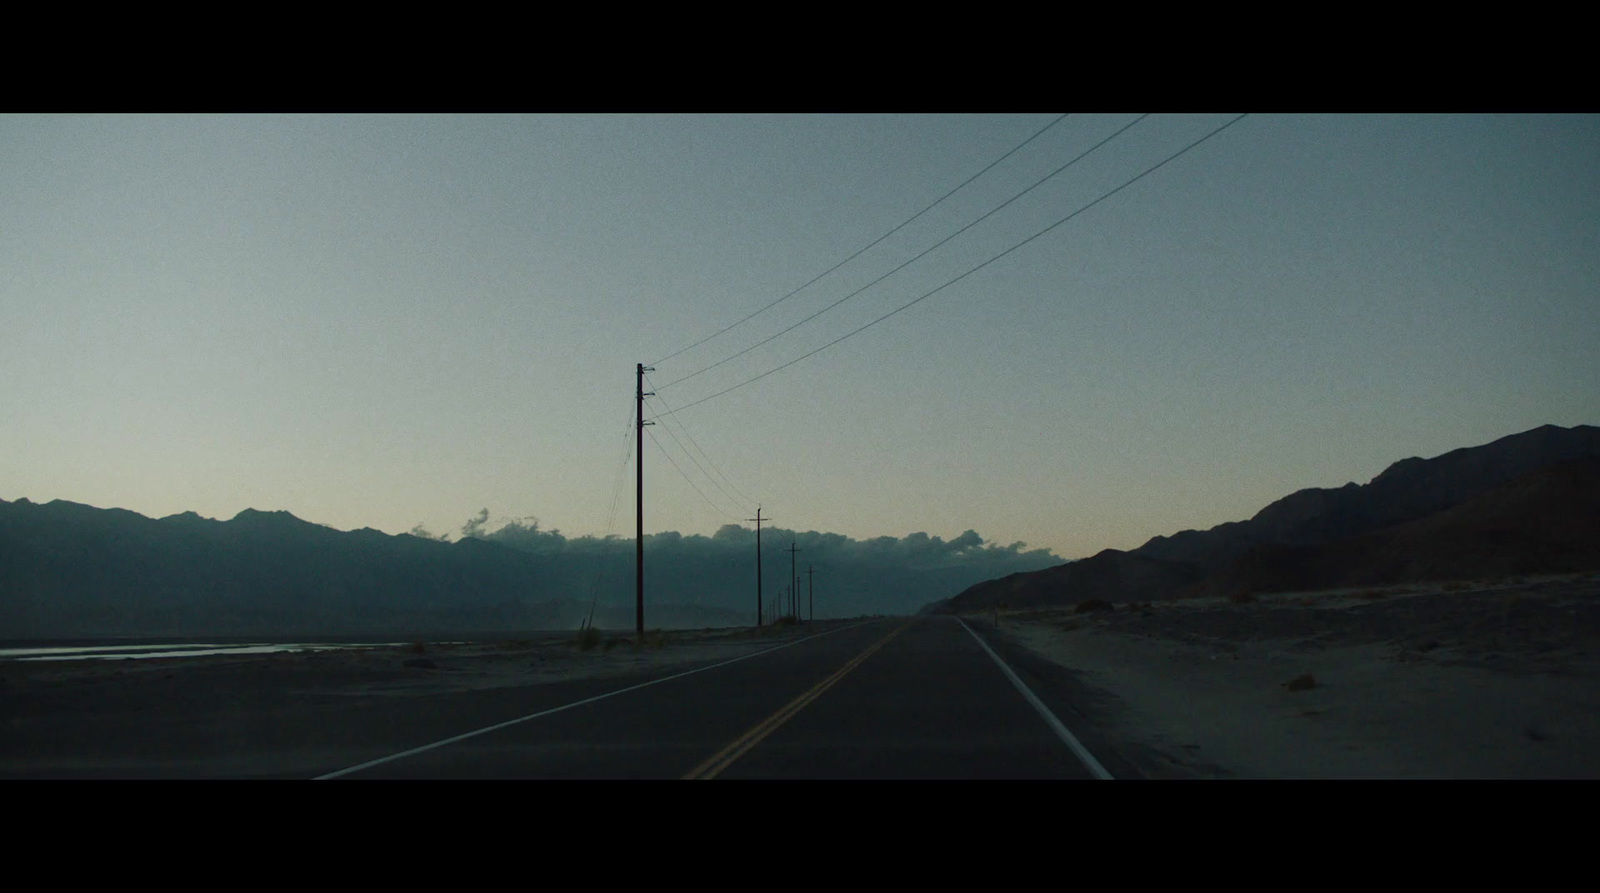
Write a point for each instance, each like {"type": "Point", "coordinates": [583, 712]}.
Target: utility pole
{"type": "Point", "coordinates": [638, 537]}
{"type": "Point", "coordinates": [795, 589]}
{"type": "Point", "coordinates": [757, 519]}
{"type": "Point", "coordinates": [811, 592]}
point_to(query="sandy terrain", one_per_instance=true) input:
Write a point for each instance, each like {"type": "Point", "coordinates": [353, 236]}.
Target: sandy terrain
{"type": "Point", "coordinates": [1466, 680]}
{"type": "Point", "coordinates": [1487, 681]}
{"type": "Point", "coordinates": [298, 714]}
{"type": "Point", "coordinates": [419, 668]}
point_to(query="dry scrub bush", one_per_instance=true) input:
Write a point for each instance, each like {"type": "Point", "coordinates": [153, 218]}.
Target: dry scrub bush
{"type": "Point", "coordinates": [1301, 683]}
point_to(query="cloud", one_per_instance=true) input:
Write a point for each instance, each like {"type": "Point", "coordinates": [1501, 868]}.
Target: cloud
{"type": "Point", "coordinates": [883, 574]}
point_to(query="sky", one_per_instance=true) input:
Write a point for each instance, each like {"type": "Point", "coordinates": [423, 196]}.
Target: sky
{"type": "Point", "coordinates": [391, 320]}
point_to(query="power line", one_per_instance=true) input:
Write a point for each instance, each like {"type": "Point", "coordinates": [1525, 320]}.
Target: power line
{"type": "Point", "coordinates": [869, 245]}
{"type": "Point", "coordinates": [975, 269]}
{"type": "Point", "coordinates": [706, 456]}
{"type": "Point", "coordinates": [925, 253]}
{"type": "Point", "coordinates": [696, 462]}
{"type": "Point", "coordinates": [685, 477]}
{"type": "Point", "coordinates": [622, 469]}
{"type": "Point", "coordinates": [611, 517]}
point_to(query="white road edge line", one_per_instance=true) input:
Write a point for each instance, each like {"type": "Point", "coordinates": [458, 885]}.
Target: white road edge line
{"type": "Point", "coordinates": [427, 747]}
{"type": "Point", "coordinates": [1071, 740]}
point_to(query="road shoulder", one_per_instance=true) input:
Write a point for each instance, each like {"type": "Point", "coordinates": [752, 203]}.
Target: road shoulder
{"type": "Point", "coordinates": [1499, 682]}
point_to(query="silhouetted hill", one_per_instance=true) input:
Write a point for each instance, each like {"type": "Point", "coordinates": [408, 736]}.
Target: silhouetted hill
{"type": "Point", "coordinates": [1468, 512]}
{"type": "Point", "coordinates": [1408, 489]}
{"type": "Point", "coordinates": [1546, 521]}
{"type": "Point", "coordinates": [1110, 575]}
{"type": "Point", "coordinates": [75, 571]}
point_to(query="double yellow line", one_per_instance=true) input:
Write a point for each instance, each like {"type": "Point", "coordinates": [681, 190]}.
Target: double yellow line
{"type": "Point", "coordinates": [741, 746]}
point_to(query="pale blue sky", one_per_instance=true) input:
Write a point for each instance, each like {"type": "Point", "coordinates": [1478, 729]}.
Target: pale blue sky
{"type": "Point", "coordinates": [379, 321]}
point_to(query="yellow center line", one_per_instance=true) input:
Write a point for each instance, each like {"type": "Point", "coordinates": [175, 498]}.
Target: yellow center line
{"type": "Point", "coordinates": [742, 745]}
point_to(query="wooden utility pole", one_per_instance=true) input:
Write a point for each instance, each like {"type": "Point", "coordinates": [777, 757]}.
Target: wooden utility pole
{"type": "Point", "coordinates": [811, 593]}
{"type": "Point", "coordinates": [794, 601]}
{"type": "Point", "coordinates": [638, 534]}
{"type": "Point", "coordinates": [758, 520]}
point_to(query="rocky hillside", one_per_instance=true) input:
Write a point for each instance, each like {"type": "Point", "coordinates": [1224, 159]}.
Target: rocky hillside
{"type": "Point", "coordinates": [1522, 504]}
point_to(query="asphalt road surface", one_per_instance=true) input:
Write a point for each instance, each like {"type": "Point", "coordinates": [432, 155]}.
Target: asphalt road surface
{"type": "Point", "coordinates": [892, 699]}
{"type": "Point", "coordinates": [896, 698]}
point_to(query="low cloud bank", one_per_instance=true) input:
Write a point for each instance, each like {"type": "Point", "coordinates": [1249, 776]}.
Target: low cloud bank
{"type": "Point", "coordinates": [882, 575]}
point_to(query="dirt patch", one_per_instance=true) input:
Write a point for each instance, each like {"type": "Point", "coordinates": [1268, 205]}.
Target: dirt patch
{"type": "Point", "coordinates": [1483, 680]}
{"type": "Point", "coordinates": [1532, 627]}
{"type": "Point", "coordinates": [413, 667]}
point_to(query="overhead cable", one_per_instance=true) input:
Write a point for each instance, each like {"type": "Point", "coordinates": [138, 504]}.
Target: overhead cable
{"type": "Point", "coordinates": [685, 429]}
{"type": "Point", "coordinates": [685, 477]}
{"type": "Point", "coordinates": [668, 428]}
{"type": "Point", "coordinates": [969, 272]}
{"type": "Point", "coordinates": [1040, 182]}
{"type": "Point", "coordinates": [864, 249]}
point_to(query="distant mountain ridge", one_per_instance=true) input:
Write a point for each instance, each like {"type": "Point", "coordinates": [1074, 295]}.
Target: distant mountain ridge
{"type": "Point", "coordinates": [75, 571]}
{"type": "Point", "coordinates": [1327, 537]}
{"type": "Point", "coordinates": [68, 569]}
{"type": "Point", "coordinates": [1545, 521]}
{"type": "Point", "coordinates": [1406, 490]}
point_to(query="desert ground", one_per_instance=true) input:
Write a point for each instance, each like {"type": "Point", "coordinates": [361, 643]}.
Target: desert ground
{"type": "Point", "coordinates": [286, 714]}
{"type": "Point", "coordinates": [1473, 679]}
{"type": "Point", "coordinates": [422, 667]}
{"type": "Point", "coordinates": [1468, 679]}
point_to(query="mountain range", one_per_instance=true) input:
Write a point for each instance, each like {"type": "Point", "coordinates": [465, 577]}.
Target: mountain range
{"type": "Point", "coordinates": [1524, 504]}
{"type": "Point", "coordinates": [69, 571]}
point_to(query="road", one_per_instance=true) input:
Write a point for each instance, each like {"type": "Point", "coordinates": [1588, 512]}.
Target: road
{"type": "Point", "coordinates": [895, 698]}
